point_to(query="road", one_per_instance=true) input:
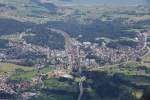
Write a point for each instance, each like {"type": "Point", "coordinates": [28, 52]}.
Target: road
{"type": "Point", "coordinates": [68, 47]}
{"type": "Point", "coordinates": [81, 88]}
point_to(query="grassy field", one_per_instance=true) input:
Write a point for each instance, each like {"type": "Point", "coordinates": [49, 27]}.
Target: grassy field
{"type": "Point", "coordinates": [138, 94]}
{"type": "Point", "coordinates": [146, 60]}
{"type": "Point", "coordinates": [7, 67]}
{"type": "Point", "coordinates": [132, 68]}
{"type": "Point", "coordinates": [30, 74]}
{"type": "Point", "coordinates": [13, 37]}
{"type": "Point", "coordinates": [56, 84]}
{"type": "Point", "coordinates": [26, 75]}
{"type": "Point", "coordinates": [54, 96]}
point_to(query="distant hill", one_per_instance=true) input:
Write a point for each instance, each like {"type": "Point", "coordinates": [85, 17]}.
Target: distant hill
{"type": "Point", "coordinates": [110, 2]}
{"type": "Point", "coordinates": [50, 6]}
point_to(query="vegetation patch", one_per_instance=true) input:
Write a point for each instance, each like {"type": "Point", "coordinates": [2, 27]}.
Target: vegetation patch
{"type": "Point", "coordinates": [8, 67]}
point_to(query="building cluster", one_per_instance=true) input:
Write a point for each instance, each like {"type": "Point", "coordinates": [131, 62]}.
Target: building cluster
{"type": "Point", "coordinates": [105, 55]}
{"type": "Point", "coordinates": [4, 87]}
{"type": "Point", "coordinates": [76, 54]}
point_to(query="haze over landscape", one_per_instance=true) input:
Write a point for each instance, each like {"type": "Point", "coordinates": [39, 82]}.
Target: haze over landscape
{"type": "Point", "coordinates": [107, 2]}
{"type": "Point", "coordinates": [74, 50]}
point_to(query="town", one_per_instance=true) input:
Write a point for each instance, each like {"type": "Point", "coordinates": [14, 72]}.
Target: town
{"type": "Point", "coordinates": [75, 54]}
{"type": "Point", "coordinates": [74, 50]}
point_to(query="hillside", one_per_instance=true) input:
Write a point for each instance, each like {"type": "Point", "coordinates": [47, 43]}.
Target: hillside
{"type": "Point", "coordinates": [74, 50]}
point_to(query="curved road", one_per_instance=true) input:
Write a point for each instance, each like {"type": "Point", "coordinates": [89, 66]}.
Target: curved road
{"type": "Point", "coordinates": [68, 47]}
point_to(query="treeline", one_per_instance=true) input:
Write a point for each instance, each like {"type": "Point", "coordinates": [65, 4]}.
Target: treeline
{"type": "Point", "coordinates": [3, 44]}
{"type": "Point", "coordinates": [46, 38]}
{"type": "Point", "coordinates": [43, 37]}
{"type": "Point", "coordinates": [111, 29]}
{"type": "Point", "coordinates": [111, 87]}
{"type": "Point", "coordinates": [10, 26]}
{"type": "Point", "coordinates": [120, 43]}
